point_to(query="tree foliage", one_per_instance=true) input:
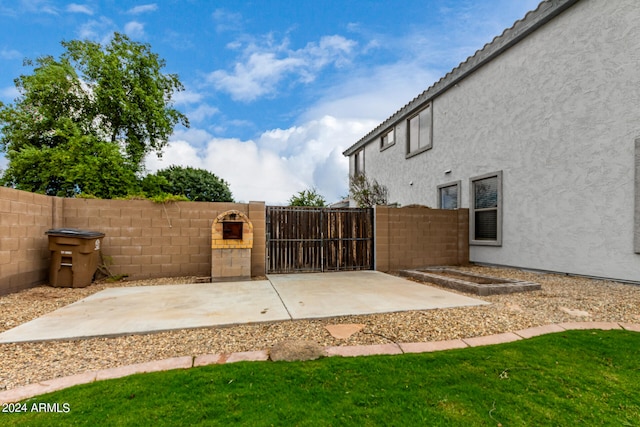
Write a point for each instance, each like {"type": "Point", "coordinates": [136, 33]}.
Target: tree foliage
{"type": "Point", "coordinates": [367, 193]}
{"type": "Point", "coordinates": [131, 96]}
{"type": "Point", "coordinates": [84, 122]}
{"type": "Point", "coordinates": [197, 185]}
{"type": "Point", "coordinates": [309, 197]}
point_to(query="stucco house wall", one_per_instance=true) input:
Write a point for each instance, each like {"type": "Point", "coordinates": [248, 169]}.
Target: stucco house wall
{"type": "Point", "coordinates": [558, 114]}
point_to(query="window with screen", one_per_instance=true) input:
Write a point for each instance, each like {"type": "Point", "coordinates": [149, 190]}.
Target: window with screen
{"type": "Point", "coordinates": [449, 195]}
{"type": "Point", "coordinates": [358, 166]}
{"type": "Point", "coordinates": [486, 209]}
{"type": "Point", "coordinates": [419, 132]}
{"type": "Point", "coordinates": [387, 139]}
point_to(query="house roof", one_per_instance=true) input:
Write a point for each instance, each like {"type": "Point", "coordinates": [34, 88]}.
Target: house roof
{"type": "Point", "coordinates": [533, 20]}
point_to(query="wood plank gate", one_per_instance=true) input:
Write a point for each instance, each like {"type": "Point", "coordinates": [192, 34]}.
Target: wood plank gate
{"type": "Point", "coordinates": [301, 239]}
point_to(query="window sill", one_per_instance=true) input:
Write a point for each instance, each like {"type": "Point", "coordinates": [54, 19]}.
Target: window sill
{"type": "Point", "coordinates": [386, 147]}
{"type": "Point", "coordinates": [485, 243]}
{"type": "Point", "coordinates": [419, 151]}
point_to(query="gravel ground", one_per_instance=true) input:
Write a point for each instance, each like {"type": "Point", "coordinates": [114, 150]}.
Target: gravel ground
{"type": "Point", "coordinates": [562, 299]}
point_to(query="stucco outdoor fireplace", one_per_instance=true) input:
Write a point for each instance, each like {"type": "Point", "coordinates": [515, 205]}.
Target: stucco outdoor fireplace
{"type": "Point", "coordinates": [231, 244]}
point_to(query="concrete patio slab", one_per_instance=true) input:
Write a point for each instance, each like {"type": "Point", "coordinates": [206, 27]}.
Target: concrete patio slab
{"type": "Point", "coordinates": [120, 311]}
{"type": "Point", "coordinates": [317, 295]}
{"type": "Point", "coordinates": [144, 309]}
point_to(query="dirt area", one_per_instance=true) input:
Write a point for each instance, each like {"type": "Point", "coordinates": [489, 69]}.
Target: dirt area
{"type": "Point", "coordinates": [561, 299]}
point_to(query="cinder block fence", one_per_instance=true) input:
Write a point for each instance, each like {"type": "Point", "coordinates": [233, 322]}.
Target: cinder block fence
{"type": "Point", "coordinates": [143, 239]}
{"type": "Point", "coordinates": [414, 237]}
{"type": "Point", "coordinates": [146, 239]}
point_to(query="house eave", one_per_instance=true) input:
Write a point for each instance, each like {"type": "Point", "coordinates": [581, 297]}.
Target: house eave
{"type": "Point", "coordinates": [546, 11]}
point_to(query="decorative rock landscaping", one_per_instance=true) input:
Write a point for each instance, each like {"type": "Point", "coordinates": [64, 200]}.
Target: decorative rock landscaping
{"type": "Point", "coordinates": [525, 314]}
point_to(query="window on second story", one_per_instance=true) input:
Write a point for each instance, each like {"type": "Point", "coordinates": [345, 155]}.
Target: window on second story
{"type": "Point", "coordinates": [358, 165]}
{"type": "Point", "coordinates": [419, 132]}
{"type": "Point", "coordinates": [387, 139]}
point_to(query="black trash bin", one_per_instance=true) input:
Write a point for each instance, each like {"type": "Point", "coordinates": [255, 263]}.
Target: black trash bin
{"type": "Point", "coordinates": [74, 256]}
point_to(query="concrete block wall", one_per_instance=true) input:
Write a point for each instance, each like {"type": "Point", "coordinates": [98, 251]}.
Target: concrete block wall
{"type": "Point", "coordinates": [414, 237]}
{"type": "Point", "coordinates": [230, 264]}
{"type": "Point", "coordinates": [258, 216]}
{"type": "Point", "coordinates": [143, 239]}
{"type": "Point", "coordinates": [24, 253]}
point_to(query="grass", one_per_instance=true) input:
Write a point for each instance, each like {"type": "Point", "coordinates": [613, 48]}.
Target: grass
{"type": "Point", "coordinates": [576, 377]}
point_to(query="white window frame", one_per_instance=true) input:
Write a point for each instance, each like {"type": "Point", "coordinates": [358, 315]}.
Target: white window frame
{"type": "Point", "coordinates": [424, 126]}
{"type": "Point", "coordinates": [456, 184]}
{"type": "Point", "coordinates": [498, 208]}
{"type": "Point", "coordinates": [388, 139]}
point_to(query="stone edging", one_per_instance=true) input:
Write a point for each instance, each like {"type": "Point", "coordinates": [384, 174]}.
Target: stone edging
{"type": "Point", "coordinates": [25, 392]}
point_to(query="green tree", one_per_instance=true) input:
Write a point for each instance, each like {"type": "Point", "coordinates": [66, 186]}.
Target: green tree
{"type": "Point", "coordinates": [83, 123]}
{"type": "Point", "coordinates": [367, 193]}
{"type": "Point", "coordinates": [197, 185]}
{"type": "Point", "coordinates": [309, 197]}
{"type": "Point", "coordinates": [83, 164]}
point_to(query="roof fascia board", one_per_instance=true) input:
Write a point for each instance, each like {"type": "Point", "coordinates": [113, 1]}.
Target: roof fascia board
{"type": "Point", "coordinates": [546, 11]}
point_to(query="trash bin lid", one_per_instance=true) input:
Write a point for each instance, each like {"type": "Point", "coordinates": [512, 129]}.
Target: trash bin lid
{"type": "Point", "coordinates": [74, 232]}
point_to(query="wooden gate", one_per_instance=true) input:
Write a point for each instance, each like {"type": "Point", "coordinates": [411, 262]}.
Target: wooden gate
{"type": "Point", "coordinates": [303, 239]}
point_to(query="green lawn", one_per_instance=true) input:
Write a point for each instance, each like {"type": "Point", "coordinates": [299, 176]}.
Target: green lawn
{"type": "Point", "coordinates": [578, 377]}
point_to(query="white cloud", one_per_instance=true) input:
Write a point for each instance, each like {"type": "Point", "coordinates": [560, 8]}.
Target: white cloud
{"type": "Point", "coordinates": [202, 112]}
{"type": "Point", "coordinates": [195, 136]}
{"type": "Point", "coordinates": [280, 162]}
{"type": "Point", "coordinates": [134, 29]}
{"type": "Point", "coordinates": [179, 153]}
{"type": "Point", "coordinates": [186, 97]}
{"type": "Point", "coordinates": [145, 8]}
{"type": "Point", "coordinates": [178, 40]}
{"type": "Point", "coordinates": [263, 66]}
{"type": "Point", "coordinates": [97, 29]}
{"type": "Point", "coordinates": [276, 165]}
{"type": "Point", "coordinates": [79, 8]}
{"type": "Point", "coordinates": [38, 6]}
{"type": "Point", "coordinates": [10, 93]}
{"type": "Point", "coordinates": [256, 77]}
{"type": "Point", "coordinates": [226, 20]}
{"type": "Point", "coordinates": [223, 127]}
{"type": "Point", "coordinates": [252, 173]}
{"type": "Point", "coordinates": [10, 54]}
{"type": "Point", "coordinates": [330, 49]}
{"type": "Point", "coordinates": [374, 94]}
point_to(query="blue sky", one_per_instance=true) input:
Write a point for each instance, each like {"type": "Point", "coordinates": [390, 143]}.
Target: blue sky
{"type": "Point", "coordinates": [275, 90]}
